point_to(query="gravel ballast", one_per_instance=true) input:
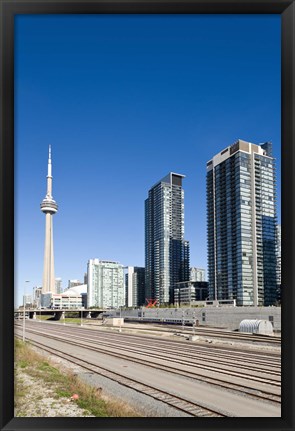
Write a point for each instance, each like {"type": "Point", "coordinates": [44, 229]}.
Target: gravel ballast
{"type": "Point", "coordinates": [108, 389]}
{"type": "Point", "coordinates": [39, 400]}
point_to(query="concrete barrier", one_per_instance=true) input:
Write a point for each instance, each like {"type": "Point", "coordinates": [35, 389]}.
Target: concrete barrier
{"type": "Point", "coordinates": [114, 321]}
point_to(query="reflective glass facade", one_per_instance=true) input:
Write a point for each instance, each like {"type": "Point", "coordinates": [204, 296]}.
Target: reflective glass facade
{"type": "Point", "coordinates": [166, 251]}
{"type": "Point", "coordinates": [135, 286]}
{"type": "Point", "coordinates": [279, 261]}
{"type": "Point", "coordinates": [241, 223]}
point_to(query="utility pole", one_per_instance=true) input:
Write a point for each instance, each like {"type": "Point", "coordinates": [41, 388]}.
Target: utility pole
{"type": "Point", "coordinates": [120, 329]}
{"type": "Point", "coordinates": [194, 322]}
{"type": "Point", "coordinates": [24, 314]}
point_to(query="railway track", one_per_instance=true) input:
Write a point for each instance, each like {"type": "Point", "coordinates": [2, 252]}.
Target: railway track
{"type": "Point", "coordinates": [188, 350]}
{"type": "Point", "coordinates": [231, 381]}
{"type": "Point", "coordinates": [157, 351]}
{"type": "Point", "coordinates": [192, 409]}
{"type": "Point", "coordinates": [224, 348]}
{"type": "Point", "coordinates": [222, 333]}
{"type": "Point", "coordinates": [226, 359]}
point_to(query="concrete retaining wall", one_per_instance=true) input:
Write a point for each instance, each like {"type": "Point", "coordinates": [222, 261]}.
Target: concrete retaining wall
{"type": "Point", "coordinates": [222, 317]}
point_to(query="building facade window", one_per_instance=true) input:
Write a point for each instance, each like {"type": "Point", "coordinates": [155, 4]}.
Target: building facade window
{"type": "Point", "coordinates": [105, 287]}
{"type": "Point", "coordinates": [241, 223]}
{"type": "Point", "coordinates": [166, 251]}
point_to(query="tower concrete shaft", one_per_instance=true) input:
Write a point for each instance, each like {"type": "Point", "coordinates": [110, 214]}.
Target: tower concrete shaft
{"type": "Point", "coordinates": [48, 207]}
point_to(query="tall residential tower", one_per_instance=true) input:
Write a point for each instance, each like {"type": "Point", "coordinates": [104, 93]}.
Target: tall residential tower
{"type": "Point", "coordinates": [48, 207]}
{"type": "Point", "coordinates": [166, 251]}
{"type": "Point", "coordinates": [135, 286]}
{"type": "Point", "coordinates": [241, 224]}
{"type": "Point", "coordinates": [279, 260]}
{"type": "Point", "coordinates": [105, 287]}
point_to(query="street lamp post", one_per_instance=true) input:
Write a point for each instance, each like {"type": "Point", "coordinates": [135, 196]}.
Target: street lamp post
{"type": "Point", "coordinates": [24, 314]}
{"type": "Point", "coordinates": [34, 297]}
{"type": "Point", "coordinates": [120, 329]}
{"type": "Point", "coordinates": [194, 322]}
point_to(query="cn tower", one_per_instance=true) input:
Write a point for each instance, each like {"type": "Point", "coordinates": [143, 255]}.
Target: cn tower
{"type": "Point", "coordinates": [48, 207]}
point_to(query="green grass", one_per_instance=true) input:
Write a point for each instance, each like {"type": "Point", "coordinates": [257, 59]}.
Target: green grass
{"type": "Point", "coordinates": [23, 364]}
{"type": "Point", "coordinates": [71, 320]}
{"type": "Point", "coordinates": [63, 394]}
{"type": "Point", "coordinates": [43, 316]}
{"type": "Point", "coordinates": [66, 320]}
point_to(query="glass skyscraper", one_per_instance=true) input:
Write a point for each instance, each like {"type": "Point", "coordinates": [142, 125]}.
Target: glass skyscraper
{"type": "Point", "coordinates": [279, 260]}
{"type": "Point", "coordinates": [241, 224]}
{"type": "Point", "coordinates": [135, 286]}
{"type": "Point", "coordinates": [166, 251]}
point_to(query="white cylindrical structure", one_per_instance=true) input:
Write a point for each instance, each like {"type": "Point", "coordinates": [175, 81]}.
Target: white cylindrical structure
{"type": "Point", "coordinates": [255, 326]}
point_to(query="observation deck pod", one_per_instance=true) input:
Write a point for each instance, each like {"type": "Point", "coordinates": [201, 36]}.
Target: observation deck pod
{"type": "Point", "coordinates": [256, 326]}
{"type": "Point", "coordinates": [49, 206]}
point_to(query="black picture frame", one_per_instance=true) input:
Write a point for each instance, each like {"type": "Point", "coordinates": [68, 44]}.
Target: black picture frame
{"type": "Point", "coordinates": [8, 9]}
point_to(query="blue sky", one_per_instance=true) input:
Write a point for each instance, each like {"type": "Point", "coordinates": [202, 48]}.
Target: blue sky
{"type": "Point", "coordinates": [123, 100]}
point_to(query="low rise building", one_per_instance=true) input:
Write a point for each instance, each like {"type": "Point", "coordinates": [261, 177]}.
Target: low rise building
{"type": "Point", "coordinates": [75, 297]}
{"type": "Point", "coordinates": [197, 274]}
{"type": "Point", "coordinates": [188, 292]}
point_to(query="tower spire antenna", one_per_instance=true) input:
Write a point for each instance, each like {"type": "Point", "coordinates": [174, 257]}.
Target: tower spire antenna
{"type": "Point", "coordinates": [49, 174]}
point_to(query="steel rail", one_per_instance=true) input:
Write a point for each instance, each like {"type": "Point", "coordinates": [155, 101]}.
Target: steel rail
{"type": "Point", "coordinates": [192, 353]}
{"type": "Point", "coordinates": [224, 349]}
{"type": "Point", "coordinates": [219, 333]}
{"type": "Point", "coordinates": [198, 358]}
{"type": "Point", "coordinates": [185, 352]}
{"type": "Point", "coordinates": [238, 388]}
{"type": "Point", "coordinates": [193, 409]}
